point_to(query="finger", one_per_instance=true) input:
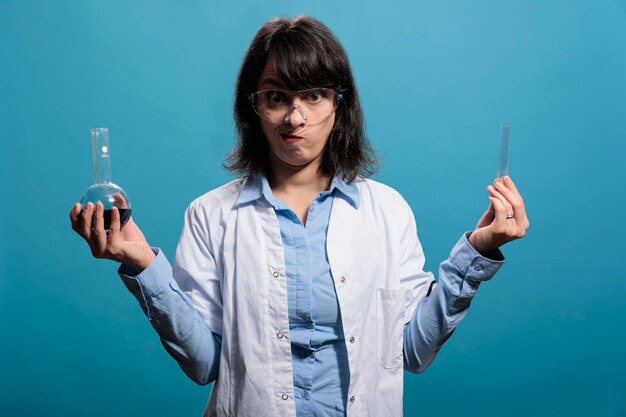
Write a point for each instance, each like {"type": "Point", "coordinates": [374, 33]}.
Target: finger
{"type": "Point", "coordinates": [487, 218]}
{"type": "Point", "coordinates": [119, 200]}
{"type": "Point", "coordinates": [98, 234]}
{"type": "Point", "coordinates": [516, 201]}
{"type": "Point", "coordinates": [510, 195]}
{"type": "Point", "coordinates": [75, 217]}
{"type": "Point", "coordinates": [509, 213]}
{"type": "Point", "coordinates": [509, 183]}
{"type": "Point", "coordinates": [495, 193]}
{"type": "Point", "coordinates": [85, 222]}
{"type": "Point", "coordinates": [501, 210]}
{"type": "Point", "coordinates": [114, 229]}
{"type": "Point", "coordinates": [490, 213]}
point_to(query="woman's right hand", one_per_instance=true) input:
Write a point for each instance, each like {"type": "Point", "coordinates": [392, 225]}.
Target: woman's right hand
{"type": "Point", "coordinates": [126, 244]}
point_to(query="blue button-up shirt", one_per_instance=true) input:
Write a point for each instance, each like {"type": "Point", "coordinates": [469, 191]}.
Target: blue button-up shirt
{"type": "Point", "coordinates": [318, 351]}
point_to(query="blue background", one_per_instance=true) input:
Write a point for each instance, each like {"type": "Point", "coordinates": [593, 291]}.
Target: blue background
{"type": "Point", "coordinates": [543, 338]}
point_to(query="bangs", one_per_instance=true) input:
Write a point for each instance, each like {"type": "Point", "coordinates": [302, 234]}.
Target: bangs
{"type": "Point", "coordinates": [303, 61]}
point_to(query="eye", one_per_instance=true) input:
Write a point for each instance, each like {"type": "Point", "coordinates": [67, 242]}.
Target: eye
{"type": "Point", "coordinates": [315, 96]}
{"type": "Point", "coordinates": [275, 96]}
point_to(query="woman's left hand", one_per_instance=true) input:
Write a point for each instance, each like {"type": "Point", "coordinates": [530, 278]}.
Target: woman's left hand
{"type": "Point", "coordinates": [505, 219]}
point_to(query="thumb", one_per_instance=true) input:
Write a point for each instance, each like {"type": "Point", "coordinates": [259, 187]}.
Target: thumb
{"type": "Point", "coordinates": [488, 217]}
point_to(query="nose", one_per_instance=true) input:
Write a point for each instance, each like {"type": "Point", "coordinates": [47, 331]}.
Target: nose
{"type": "Point", "coordinates": [297, 117]}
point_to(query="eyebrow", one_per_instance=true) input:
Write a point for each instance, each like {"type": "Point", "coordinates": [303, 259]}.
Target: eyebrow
{"type": "Point", "coordinates": [272, 82]}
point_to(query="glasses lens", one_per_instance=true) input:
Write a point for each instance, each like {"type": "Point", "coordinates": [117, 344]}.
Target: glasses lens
{"type": "Point", "coordinates": [276, 106]}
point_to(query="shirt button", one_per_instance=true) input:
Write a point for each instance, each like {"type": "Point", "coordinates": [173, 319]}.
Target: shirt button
{"type": "Point", "coordinates": [309, 325]}
{"type": "Point", "coordinates": [275, 274]}
{"type": "Point", "coordinates": [285, 396]}
{"type": "Point", "coordinates": [478, 267]}
{"type": "Point", "coordinates": [352, 339]}
{"type": "Point", "coordinates": [342, 279]}
{"type": "Point", "coordinates": [305, 394]}
{"type": "Point", "coordinates": [279, 335]}
{"type": "Point", "coordinates": [352, 399]}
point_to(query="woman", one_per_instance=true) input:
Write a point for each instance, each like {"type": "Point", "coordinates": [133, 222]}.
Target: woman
{"type": "Point", "coordinates": [299, 287]}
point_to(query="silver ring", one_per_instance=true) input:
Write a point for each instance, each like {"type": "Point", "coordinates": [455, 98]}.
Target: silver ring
{"type": "Point", "coordinates": [510, 216]}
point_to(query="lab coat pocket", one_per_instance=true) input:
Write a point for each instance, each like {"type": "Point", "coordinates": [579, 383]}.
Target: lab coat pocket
{"type": "Point", "coordinates": [390, 326]}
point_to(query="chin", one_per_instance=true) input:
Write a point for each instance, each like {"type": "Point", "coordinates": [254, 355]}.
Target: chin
{"type": "Point", "coordinates": [294, 162]}
{"type": "Point", "coordinates": [297, 163]}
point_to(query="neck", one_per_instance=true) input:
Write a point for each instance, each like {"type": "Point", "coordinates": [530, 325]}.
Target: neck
{"type": "Point", "coordinates": [308, 178]}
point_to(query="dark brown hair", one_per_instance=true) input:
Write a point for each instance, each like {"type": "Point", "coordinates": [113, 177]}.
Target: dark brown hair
{"type": "Point", "coordinates": [306, 55]}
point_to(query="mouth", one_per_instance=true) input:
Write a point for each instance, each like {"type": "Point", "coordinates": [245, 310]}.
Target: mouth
{"type": "Point", "coordinates": [291, 138]}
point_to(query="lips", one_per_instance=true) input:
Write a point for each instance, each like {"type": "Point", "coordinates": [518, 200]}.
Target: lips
{"type": "Point", "coordinates": [289, 138]}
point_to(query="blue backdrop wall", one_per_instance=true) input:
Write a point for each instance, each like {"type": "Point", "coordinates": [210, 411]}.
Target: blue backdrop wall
{"type": "Point", "coordinates": [544, 338]}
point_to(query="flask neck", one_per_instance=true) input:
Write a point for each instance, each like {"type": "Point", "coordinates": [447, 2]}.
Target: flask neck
{"type": "Point", "coordinates": [101, 158]}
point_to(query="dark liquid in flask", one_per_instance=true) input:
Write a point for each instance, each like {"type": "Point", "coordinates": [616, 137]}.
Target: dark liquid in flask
{"type": "Point", "coordinates": [124, 216]}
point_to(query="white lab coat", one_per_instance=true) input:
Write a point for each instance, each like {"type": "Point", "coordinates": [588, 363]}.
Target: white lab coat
{"type": "Point", "coordinates": [230, 263]}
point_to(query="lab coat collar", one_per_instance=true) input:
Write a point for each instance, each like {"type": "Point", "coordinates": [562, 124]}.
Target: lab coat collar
{"type": "Point", "coordinates": [257, 186]}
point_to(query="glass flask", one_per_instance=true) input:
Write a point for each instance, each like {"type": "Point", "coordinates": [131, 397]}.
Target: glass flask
{"type": "Point", "coordinates": [103, 190]}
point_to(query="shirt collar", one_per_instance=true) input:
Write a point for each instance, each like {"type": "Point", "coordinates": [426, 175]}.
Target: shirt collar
{"type": "Point", "coordinates": [348, 190]}
{"type": "Point", "coordinates": [257, 186]}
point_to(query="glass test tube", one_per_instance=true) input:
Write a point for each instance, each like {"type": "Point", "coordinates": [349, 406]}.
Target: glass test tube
{"type": "Point", "coordinates": [503, 154]}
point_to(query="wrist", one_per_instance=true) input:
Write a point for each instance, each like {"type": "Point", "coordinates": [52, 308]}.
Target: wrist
{"type": "Point", "coordinates": [145, 261]}
{"type": "Point", "coordinates": [487, 252]}
{"type": "Point", "coordinates": [474, 241]}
